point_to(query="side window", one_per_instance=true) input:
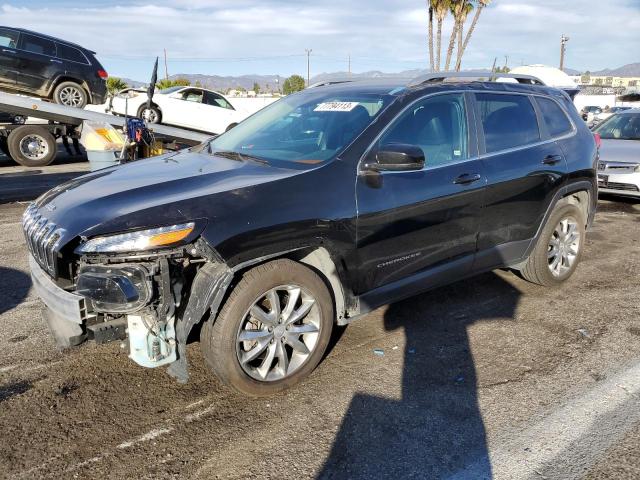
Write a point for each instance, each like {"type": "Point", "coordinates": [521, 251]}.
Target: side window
{"type": "Point", "coordinates": [69, 53]}
{"type": "Point", "coordinates": [557, 122]}
{"type": "Point", "coordinates": [35, 44]}
{"type": "Point", "coordinates": [508, 121]}
{"type": "Point", "coordinates": [217, 101]}
{"type": "Point", "coordinates": [8, 38]}
{"type": "Point", "coordinates": [192, 96]}
{"type": "Point", "coordinates": [437, 125]}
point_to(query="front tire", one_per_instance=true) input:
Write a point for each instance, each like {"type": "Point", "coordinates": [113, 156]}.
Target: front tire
{"type": "Point", "coordinates": [272, 331]}
{"type": "Point", "coordinates": [32, 146]}
{"type": "Point", "coordinates": [70, 94]}
{"type": "Point", "coordinates": [559, 248]}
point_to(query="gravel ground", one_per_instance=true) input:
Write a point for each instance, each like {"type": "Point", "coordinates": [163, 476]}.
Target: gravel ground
{"type": "Point", "coordinates": [488, 378]}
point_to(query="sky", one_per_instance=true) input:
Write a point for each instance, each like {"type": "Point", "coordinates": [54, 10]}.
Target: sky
{"type": "Point", "coordinates": [237, 37]}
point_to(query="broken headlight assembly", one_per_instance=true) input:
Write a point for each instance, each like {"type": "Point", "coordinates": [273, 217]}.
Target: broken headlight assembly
{"type": "Point", "coordinates": [139, 240]}
{"type": "Point", "coordinates": [115, 288]}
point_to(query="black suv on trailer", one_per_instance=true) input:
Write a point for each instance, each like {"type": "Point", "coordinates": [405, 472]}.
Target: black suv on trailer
{"type": "Point", "coordinates": [47, 67]}
{"type": "Point", "coordinates": [312, 212]}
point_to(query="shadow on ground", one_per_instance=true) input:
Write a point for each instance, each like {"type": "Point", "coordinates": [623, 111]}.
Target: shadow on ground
{"type": "Point", "coordinates": [436, 428]}
{"type": "Point", "coordinates": [15, 286]}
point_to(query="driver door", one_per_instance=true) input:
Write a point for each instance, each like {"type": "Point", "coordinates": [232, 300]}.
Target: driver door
{"type": "Point", "coordinates": [414, 227]}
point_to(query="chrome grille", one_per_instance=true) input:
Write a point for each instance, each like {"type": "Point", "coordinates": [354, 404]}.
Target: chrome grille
{"type": "Point", "coordinates": [43, 238]}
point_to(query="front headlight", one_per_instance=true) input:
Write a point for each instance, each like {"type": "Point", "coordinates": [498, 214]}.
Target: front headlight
{"type": "Point", "coordinates": [138, 240]}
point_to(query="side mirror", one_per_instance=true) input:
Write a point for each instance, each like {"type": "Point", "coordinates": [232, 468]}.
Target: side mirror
{"type": "Point", "coordinates": [397, 157]}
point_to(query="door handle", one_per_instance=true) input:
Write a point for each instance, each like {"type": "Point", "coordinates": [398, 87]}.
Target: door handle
{"type": "Point", "coordinates": [467, 178]}
{"type": "Point", "coordinates": [6, 50]}
{"type": "Point", "coordinates": [55, 61]}
{"type": "Point", "coordinates": [552, 159]}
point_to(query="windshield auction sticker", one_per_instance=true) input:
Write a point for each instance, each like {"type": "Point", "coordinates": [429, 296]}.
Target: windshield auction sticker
{"type": "Point", "coordinates": [336, 107]}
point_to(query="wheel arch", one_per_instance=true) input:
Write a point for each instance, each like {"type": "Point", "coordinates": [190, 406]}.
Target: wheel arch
{"type": "Point", "coordinates": [583, 194]}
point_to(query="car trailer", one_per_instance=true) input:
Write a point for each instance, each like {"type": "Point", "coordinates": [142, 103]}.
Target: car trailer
{"type": "Point", "coordinates": [34, 145]}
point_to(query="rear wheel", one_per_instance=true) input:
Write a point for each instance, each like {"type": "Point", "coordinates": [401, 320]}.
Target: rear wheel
{"type": "Point", "coordinates": [32, 146]}
{"type": "Point", "coordinates": [150, 115]}
{"type": "Point", "coordinates": [559, 248]}
{"type": "Point", "coordinates": [272, 331]}
{"type": "Point", "coordinates": [70, 94]}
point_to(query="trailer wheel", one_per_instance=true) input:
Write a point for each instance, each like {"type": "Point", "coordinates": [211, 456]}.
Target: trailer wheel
{"type": "Point", "coordinates": [32, 146]}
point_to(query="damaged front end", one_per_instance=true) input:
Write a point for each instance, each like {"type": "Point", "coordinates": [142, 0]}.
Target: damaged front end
{"type": "Point", "coordinates": [151, 295]}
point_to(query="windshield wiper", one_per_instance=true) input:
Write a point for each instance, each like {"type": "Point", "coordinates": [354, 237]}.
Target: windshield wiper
{"type": "Point", "coordinates": [231, 155]}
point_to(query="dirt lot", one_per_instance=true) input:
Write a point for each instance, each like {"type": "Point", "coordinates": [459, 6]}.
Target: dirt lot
{"type": "Point", "coordinates": [489, 378]}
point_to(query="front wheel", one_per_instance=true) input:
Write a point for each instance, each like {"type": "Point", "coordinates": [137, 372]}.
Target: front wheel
{"type": "Point", "coordinates": [272, 331]}
{"type": "Point", "coordinates": [559, 248]}
{"type": "Point", "coordinates": [32, 146]}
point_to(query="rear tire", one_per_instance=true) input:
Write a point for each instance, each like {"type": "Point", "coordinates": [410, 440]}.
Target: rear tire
{"type": "Point", "coordinates": [32, 146]}
{"type": "Point", "coordinates": [260, 350]}
{"type": "Point", "coordinates": [150, 115]}
{"type": "Point", "coordinates": [559, 248]}
{"type": "Point", "coordinates": [70, 94]}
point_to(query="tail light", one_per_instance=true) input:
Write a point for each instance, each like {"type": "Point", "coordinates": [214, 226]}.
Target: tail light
{"type": "Point", "coordinates": [103, 74]}
{"type": "Point", "coordinates": [598, 140]}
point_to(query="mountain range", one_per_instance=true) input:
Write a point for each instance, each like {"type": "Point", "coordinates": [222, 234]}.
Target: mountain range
{"type": "Point", "coordinates": [271, 82]}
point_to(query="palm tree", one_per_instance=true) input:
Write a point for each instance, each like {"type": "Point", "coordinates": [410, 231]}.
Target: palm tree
{"type": "Point", "coordinates": [462, 19]}
{"type": "Point", "coordinates": [479, 7]}
{"type": "Point", "coordinates": [441, 8]}
{"type": "Point", "coordinates": [115, 84]}
{"type": "Point", "coordinates": [458, 9]}
{"type": "Point", "coordinates": [430, 6]}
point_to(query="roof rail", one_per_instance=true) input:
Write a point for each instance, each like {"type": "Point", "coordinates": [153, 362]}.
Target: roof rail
{"type": "Point", "coordinates": [326, 83]}
{"type": "Point", "coordinates": [438, 77]}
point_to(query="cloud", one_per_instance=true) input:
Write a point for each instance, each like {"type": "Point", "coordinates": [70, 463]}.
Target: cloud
{"type": "Point", "coordinates": [379, 34]}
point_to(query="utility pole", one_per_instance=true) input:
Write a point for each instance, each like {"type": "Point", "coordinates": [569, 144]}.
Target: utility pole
{"type": "Point", "coordinates": [308, 50]}
{"type": "Point", "coordinates": [349, 64]}
{"type": "Point", "coordinates": [166, 70]}
{"type": "Point", "coordinates": [563, 50]}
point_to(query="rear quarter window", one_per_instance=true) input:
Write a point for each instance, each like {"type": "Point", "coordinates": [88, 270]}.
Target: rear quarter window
{"type": "Point", "coordinates": [508, 121]}
{"type": "Point", "coordinates": [554, 117]}
{"type": "Point", "coordinates": [66, 52]}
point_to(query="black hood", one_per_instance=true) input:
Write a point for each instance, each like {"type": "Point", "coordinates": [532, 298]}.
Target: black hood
{"type": "Point", "coordinates": [158, 191]}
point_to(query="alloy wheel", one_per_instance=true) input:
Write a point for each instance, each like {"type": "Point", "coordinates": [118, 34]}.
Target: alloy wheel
{"type": "Point", "coordinates": [564, 246]}
{"type": "Point", "coordinates": [278, 333]}
{"type": "Point", "coordinates": [71, 96]}
{"type": "Point", "coordinates": [149, 115]}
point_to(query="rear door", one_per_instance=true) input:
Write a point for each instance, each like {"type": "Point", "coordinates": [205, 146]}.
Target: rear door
{"type": "Point", "coordinates": [8, 56]}
{"type": "Point", "coordinates": [37, 63]}
{"type": "Point", "coordinates": [410, 222]}
{"type": "Point", "coordinates": [524, 167]}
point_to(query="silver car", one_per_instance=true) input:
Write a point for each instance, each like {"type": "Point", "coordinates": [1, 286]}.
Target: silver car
{"type": "Point", "coordinates": [619, 165]}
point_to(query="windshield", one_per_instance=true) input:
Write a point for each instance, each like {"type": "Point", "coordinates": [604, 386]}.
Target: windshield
{"type": "Point", "coordinates": [309, 127]}
{"type": "Point", "coordinates": [167, 91]}
{"type": "Point", "coordinates": [622, 126]}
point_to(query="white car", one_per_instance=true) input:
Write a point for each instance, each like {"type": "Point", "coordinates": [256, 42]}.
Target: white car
{"type": "Point", "coordinates": [190, 107]}
{"type": "Point", "coordinates": [602, 116]}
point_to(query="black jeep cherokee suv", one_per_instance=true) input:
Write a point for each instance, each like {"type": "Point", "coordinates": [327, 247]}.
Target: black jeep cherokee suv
{"type": "Point", "coordinates": [50, 68]}
{"type": "Point", "coordinates": [312, 212]}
